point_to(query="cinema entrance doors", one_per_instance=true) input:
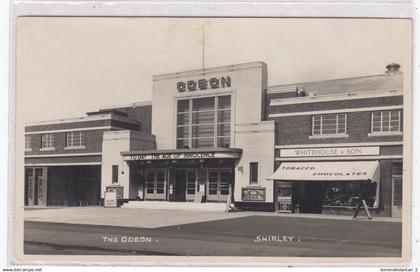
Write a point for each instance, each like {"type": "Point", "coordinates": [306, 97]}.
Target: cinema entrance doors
{"type": "Point", "coordinates": [201, 175]}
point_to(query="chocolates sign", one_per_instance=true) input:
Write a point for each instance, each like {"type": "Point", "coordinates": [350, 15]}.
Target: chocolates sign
{"type": "Point", "coordinates": [203, 84]}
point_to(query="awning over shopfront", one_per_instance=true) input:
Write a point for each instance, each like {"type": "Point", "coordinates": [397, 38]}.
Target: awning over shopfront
{"type": "Point", "coordinates": [328, 171]}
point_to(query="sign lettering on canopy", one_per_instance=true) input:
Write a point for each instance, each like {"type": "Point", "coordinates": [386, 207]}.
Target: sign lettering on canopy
{"type": "Point", "coordinates": [180, 156]}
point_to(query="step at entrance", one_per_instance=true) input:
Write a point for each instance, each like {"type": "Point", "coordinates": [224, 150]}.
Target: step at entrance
{"type": "Point", "coordinates": [187, 206]}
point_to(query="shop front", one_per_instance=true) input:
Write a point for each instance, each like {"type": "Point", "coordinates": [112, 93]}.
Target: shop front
{"type": "Point", "coordinates": [183, 175]}
{"type": "Point", "coordinates": [326, 187]}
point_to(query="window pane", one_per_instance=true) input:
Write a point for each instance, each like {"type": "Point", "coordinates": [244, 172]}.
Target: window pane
{"type": "Point", "coordinates": [346, 194]}
{"type": "Point", "coordinates": [198, 123]}
{"type": "Point", "coordinates": [225, 181]}
{"type": "Point", "coordinates": [28, 143]}
{"type": "Point", "coordinates": [183, 105]}
{"type": "Point", "coordinates": [223, 142]}
{"type": "Point", "coordinates": [191, 182]}
{"type": "Point", "coordinates": [206, 117]}
{"type": "Point", "coordinates": [182, 132]}
{"type": "Point", "coordinates": [397, 168]}
{"type": "Point", "coordinates": [385, 121]}
{"type": "Point", "coordinates": [203, 142]}
{"type": "Point", "coordinates": [160, 183]}
{"type": "Point", "coordinates": [213, 183]}
{"type": "Point", "coordinates": [182, 144]}
{"type": "Point", "coordinates": [47, 140]}
{"type": "Point", "coordinates": [253, 172]}
{"type": "Point", "coordinates": [115, 174]}
{"type": "Point", "coordinates": [183, 119]}
{"type": "Point", "coordinates": [223, 116]}
{"type": "Point", "coordinates": [398, 196]}
{"type": "Point", "coordinates": [150, 183]}
{"type": "Point", "coordinates": [223, 130]}
{"type": "Point", "coordinates": [224, 102]}
{"type": "Point", "coordinates": [203, 131]}
{"type": "Point", "coordinates": [316, 124]}
{"type": "Point", "coordinates": [201, 104]}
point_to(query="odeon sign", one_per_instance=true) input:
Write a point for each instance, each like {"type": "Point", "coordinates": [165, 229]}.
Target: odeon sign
{"type": "Point", "coordinates": [203, 84]}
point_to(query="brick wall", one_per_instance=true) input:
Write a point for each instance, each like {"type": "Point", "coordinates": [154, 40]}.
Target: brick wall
{"type": "Point", "coordinates": [72, 125]}
{"type": "Point", "coordinates": [93, 143]}
{"type": "Point", "coordinates": [143, 114]}
{"type": "Point", "coordinates": [69, 159]}
{"type": "Point", "coordinates": [333, 105]}
{"type": "Point", "coordinates": [293, 130]}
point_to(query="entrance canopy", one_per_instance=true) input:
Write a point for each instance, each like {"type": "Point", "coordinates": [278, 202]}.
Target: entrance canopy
{"type": "Point", "coordinates": [328, 171]}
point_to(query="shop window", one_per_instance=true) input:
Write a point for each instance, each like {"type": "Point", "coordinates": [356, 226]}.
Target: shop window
{"type": "Point", "coordinates": [204, 122]}
{"type": "Point", "coordinates": [28, 143]}
{"type": "Point", "coordinates": [329, 124]}
{"type": "Point", "coordinates": [253, 172]}
{"type": "Point", "coordinates": [347, 194]}
{"type": "Point", "coordinates": [114, 174]}
{"type": "Point", "coordinates": [47, 141]}
{"type": "Point", "coordinates": [75, 139]}
{"type": "Point", "coordinates": [386, 122]}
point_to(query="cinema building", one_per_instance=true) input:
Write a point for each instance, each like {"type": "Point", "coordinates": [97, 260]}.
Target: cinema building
{"type": "Point", "coordinates": [219, 133]}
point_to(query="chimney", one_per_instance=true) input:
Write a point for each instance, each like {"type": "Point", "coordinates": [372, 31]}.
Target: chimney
{"type": "Point", "coordinates": [393, 69]}
{"type": "Point", "coordinates": [300, 92]}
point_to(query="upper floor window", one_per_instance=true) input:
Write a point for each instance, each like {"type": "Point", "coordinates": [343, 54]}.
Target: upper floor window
{"type": "Point", "coordinates": [204, 122]}
{"type": "Point", "coordinates": [329, 124]}
{"type": "Point", "coordinates": [47, 141]}
{"type": "Point", "coordinates": [28, 143]}
{"type": "Point", "coordinates": [386, 121]}
{"type": "Point", "coordinates": [75, 139]}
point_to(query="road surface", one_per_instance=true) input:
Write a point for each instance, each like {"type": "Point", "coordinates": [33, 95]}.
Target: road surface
{"type": "Point", "coordinates": [244, 236]}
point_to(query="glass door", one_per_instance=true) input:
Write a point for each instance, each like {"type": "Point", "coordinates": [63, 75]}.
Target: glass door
{"type": "Point", "coordinates": [155, 184]}
{"type": "Point", "coordinates": [220, 184]}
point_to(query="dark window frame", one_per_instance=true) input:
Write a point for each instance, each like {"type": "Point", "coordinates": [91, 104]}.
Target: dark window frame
{"type": "Point", "coordinates": [114, 173]}
{"type": "Point", "coordinates": [253, 172]}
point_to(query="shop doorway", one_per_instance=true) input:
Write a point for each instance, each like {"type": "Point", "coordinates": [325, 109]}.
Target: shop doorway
{"type": "Point", "coordinates": [396, 196]}
{"type": "Point", "coordinates": [310, 197]}
{"type": "Point", "coordinates": [180, 185]}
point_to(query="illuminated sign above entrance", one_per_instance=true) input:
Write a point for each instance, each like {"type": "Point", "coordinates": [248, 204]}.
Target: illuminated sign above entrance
{"type": "Point", "coordinates": [142, 156]}
{"type": "Point", "coordinates": [203, 84]}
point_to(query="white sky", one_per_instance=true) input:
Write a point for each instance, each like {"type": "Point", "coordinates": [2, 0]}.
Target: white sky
{"type": "Point", "coordinates": [68, 66]}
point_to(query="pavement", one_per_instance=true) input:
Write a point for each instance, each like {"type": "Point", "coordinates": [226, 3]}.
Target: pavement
{"type": "Point", "coordinates": [137, 218]}
{"type": "Point", "coordinates": [155, 218]}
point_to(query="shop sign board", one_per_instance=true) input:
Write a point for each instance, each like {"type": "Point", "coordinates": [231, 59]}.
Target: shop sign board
{"type": "Point", "coordinates": [331, 151]}
{"type": "Point", "coordinates": [119, 190]}
{"type": "Point", "coordinates": [253, 194]}
{"type": "Point", "coordinates": [110, 199]}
